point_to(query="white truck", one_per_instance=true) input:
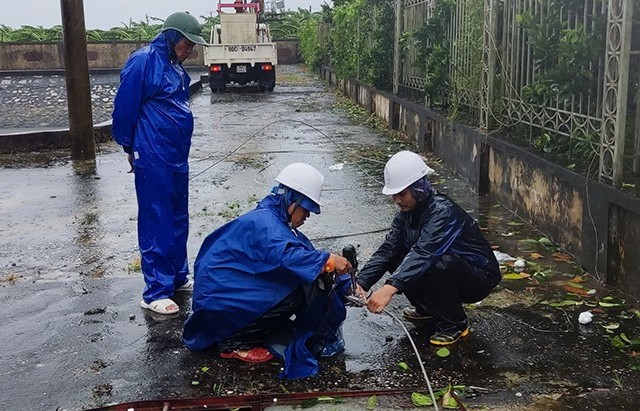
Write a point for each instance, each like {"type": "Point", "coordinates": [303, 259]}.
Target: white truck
{"type": "Point", "coordinates": [240, 49]}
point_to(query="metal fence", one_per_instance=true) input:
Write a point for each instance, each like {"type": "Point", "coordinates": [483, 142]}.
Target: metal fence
{"type": "Point", "coordinates": [519, 63]}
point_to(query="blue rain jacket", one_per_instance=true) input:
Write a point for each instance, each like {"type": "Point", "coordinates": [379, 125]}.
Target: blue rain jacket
{"type": "Point", "coordinates": [317, 332]}
{"type": "Point", "coordinates": [420, 237]}
{"type": "Point", "coordinates": [246, 267]}
{"type": "Point", "coordinates": [151, 114]}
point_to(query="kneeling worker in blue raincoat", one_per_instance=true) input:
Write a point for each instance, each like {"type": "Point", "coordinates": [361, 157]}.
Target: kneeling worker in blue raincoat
{"type": "Point", "coordinates": [152, 121]}
{"type": "Point", "coordinates": [252, 274]}
{"type": "Point", "coordinates": [435, 252]}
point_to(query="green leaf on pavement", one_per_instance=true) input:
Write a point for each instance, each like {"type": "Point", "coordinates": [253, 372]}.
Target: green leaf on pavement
{"type": "Point", "coordinates": [448, 401]}
{"type": "Point", "coordinates": [513, 276]}
{"type": "Point", "coordinates": [546, 242]}
{"type": "Point", "coordinates": [372, 402]}
{"type": "Point", "coordinates": [421, 400]}
{"type": "Point", "coordinates": [608, 305]}
{"type": "Point", "coordinates": [565, 303]}
{"type": "Point", "coordinates": [403, 365]}
{"type": "Point", "coordinates": [443, 352]}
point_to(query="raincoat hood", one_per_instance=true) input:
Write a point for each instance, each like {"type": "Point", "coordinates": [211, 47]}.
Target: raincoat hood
{"type": "Point", "coordinates": [166, 42]}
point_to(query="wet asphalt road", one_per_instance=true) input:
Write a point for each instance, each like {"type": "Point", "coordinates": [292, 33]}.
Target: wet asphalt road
{"type": "Point", "coordinates": [74, 337]}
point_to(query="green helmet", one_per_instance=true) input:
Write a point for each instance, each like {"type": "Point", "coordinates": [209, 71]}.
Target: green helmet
{"type": "Point", "coordinates": [187, 25]}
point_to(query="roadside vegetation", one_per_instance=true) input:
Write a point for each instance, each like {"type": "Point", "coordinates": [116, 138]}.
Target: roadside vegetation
{"type": "Point", "coordinates": [284, 26]}
{"type": "Point", "coordinates": [355, 38]}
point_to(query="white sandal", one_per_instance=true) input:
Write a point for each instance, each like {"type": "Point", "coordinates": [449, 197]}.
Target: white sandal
{"type": "Point", "coordinates": [163, 306]}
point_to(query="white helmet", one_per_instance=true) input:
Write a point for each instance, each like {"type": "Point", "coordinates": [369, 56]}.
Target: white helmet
{"type": "Point", "coordinates": [303, 178]}
{"type": "Point", "coordinates": [402, 170]}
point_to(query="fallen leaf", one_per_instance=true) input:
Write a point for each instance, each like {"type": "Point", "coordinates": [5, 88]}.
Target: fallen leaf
{"type": "Point", "coordinates": [545, 241]}
{"type": "Point", "coordinates": [608, 305]}
{"type": "Point", "coordinates": [561, 257]}
{"type": "Point", "coordinates": [403, 365]}
{"type": "Point", "coordinates": [372, 402]}
{"type": "Point", "coordinates": [565, 303]}
{"type": "Point", "coordinates": [443, 352]}
{"type": "Point", "coordinates": [515, 276]}
{"type": "Point", "coordinates": [536, 256]}
{"type": "Point", "coordinates": [448, 401]}
{"type": "Point", "coordinates": [577, 291]}
{"type": "Point", "coordinates": [421, 400]}
{"type": "Point", "coordinates": [577, 279]}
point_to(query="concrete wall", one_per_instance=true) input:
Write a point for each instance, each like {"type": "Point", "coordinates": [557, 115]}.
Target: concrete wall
{"type": "Point", "coordinates": [598, 224]}
{"type": "Point", "coordinates": [48, 56]}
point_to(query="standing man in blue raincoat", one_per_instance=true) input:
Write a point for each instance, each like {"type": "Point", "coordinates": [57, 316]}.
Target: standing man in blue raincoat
{"type": "Point", "coordinates": [435, 252]}
{"type": "Point", "coordinates": [152, 121]}
{"type": "Point", "coordinates": [252, 274]}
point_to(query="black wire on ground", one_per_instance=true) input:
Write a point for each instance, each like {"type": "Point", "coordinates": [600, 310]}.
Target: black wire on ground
{"type": "Point", "coordinates": [293, 121]}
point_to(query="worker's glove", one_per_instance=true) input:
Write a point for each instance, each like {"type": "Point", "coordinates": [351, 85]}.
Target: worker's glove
{"type": "Point", "coordinates": [337, 264]}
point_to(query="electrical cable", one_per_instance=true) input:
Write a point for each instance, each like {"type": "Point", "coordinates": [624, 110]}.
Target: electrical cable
{"type": "Point", "coordinates": [293, 121]}
{"type": "Point", "coordinates": [361, 303]}
{"type": "Point", "coordinates": [352, 234]}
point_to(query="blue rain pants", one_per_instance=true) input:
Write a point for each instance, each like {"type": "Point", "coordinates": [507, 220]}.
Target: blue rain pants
{"type": "Point", "coordinates": [163, 229]}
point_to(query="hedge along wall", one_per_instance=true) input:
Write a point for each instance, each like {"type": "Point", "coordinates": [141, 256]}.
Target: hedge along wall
{"type": "Point", "coordinates": [48, 56]}
{"type": "Point", "coordinates": [596, 223]}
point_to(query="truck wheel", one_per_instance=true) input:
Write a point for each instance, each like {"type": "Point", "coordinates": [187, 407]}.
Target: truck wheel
{"type": "Point", "coordinates": [220, 88]}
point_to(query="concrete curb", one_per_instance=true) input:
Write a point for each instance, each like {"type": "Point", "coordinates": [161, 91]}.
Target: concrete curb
{"type": "Point", "coordinates": [37, 139]}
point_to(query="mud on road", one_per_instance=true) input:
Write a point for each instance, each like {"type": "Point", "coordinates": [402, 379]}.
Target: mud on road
{"type": "Point", "coordinates": [74, 336]}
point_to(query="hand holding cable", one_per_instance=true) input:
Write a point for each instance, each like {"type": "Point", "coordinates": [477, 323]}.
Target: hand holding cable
{"type": "Point", "coordinates": [380, 298]}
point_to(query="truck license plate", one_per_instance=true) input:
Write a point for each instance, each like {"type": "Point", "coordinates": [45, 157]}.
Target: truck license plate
{"type": "Point", "coordinates": [241, 69]}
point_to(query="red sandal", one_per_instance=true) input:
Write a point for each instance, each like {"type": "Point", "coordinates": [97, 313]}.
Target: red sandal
{"type": "Point", "coordinates": [255, 355]}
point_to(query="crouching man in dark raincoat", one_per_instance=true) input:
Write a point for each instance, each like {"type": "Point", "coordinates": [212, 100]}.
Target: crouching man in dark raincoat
{"type": "Point", "coordinates": [152, 121]}
{"type": "Point", "coordinates": [252, 274]}
{"type": "Point", "coordinates": [435, 252]}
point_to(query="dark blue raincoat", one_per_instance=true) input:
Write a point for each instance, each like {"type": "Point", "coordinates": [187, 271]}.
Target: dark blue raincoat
{"type": "Point", "coordinates": [246, 267]}
{"type": "Point", "coordinates": [152, 121]}
{"type": "Point", "coordinates": [419, 238]}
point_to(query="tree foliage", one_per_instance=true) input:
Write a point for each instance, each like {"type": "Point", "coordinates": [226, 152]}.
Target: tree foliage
{"type": "Point", "coordinates": [131, 31]}
{"type": "Point", "coordinates": [287, 26]}
{"type": "Point", "coordinates": [355, 37]}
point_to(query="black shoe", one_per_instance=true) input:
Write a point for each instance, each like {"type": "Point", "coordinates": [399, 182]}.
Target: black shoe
{"type": "Point", "coordinates": [412, 314]}
{"type": "Point", "coordinates": [448, 336]}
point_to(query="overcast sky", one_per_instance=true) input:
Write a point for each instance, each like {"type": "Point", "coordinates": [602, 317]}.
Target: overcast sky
{"type": "Point", "coordinates": [105, 14]}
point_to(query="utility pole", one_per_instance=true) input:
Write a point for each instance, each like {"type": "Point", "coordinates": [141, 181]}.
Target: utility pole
{"type": "Point", "coordinates": [74, 44]}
